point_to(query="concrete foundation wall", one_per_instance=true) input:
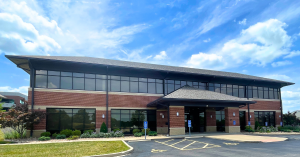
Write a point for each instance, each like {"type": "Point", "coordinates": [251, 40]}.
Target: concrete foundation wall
{"type": "Point", "coordinates": [211, 128]}
{"type": "Point", "coordinates": [177, 131]}
{"type": "Point", "coordinates": [162, 130]}
{"type": "Point", "coordinates": [232, 129]}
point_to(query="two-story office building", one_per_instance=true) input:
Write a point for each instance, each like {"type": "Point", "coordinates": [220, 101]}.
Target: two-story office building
{"type": "Point", "coordinates": [83, 92]}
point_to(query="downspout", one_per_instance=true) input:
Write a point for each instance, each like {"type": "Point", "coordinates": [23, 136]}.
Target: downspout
{"type": "Point", "coordinates": [280, 106]}
{"type": "Point", "coordinates": [107, 97]}
{"type": "Point", "coordinates": [247, 91]}
{"type": "Point", "coordinates": [32, 81]}
{"type": "Point", "coordinates": [169, 119]}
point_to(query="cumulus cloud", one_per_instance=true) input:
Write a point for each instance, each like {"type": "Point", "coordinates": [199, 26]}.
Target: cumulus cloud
{"type": "Point", "coordinates": [259, 44]}
{"type": "Point", "coordinates": [290, 100]}
{"type": "Point", "coordinates": [292, 54]}
{"type": "Point", "coordinates": [206, 40]}
{"type": "Point", "coordinates": [281, 63]}
{"type": "Point", "coordinates": [162, 55]}
{"type": "Point", "coordinates": [208, 61]}
{"type": "Point", "coordinates": [243, 22]}
{"type": "Point", "coordinates": [279, 77]}
{"type": "Point", "coordinates": [22, 89]}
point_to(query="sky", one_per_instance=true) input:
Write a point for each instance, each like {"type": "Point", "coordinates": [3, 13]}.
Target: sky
{"type": "Point", "coordinates": [253, 37]}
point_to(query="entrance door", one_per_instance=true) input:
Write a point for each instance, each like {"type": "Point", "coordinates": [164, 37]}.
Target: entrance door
{"type": "Point", "coordinates": [197, 117]}
{"type": "Point", "coordinates": [242, 120]}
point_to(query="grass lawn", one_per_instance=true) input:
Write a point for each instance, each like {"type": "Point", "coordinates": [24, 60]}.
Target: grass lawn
{"type": "Point", "coordinates": [64, 149]}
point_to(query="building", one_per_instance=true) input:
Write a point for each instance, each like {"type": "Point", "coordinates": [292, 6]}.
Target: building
{"type": "Point", "coordinates": [10, 99]}
{"type": "Point", "coordinates": [83, 92]}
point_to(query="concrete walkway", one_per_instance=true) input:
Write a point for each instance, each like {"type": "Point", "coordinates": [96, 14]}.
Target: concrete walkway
{"type": "Point", "coordinates": [247, 138]}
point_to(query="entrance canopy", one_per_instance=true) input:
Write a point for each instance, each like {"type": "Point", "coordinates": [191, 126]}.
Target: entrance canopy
{"type": "Point", "coordinates": [190, 96]}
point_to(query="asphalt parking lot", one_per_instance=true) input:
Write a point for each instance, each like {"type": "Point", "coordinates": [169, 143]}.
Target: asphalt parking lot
{"type": "Point", "coordinates": [213, 147]}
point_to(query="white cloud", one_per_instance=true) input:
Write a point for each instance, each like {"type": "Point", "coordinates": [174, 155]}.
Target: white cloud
{"type": "Point", "coordinates": [281, 63]}
{"type": "Point", "coordinates": [243, 22]}
{"type": "Point", "coordinates": [162, 55]}
{"type": "Point", "coordinates": [293, 54]}
{"type": "Point", "coordinates": [205, 61]}
{"type": "Point", "coordinates": [259, 44]}
{"type": "Point", "coordinates": [290, 100]}
{"type": "Point", "coordinates": [279, 77]}
{"type": "Point", "coordinates": [22, 89]}
{"type": "Point", "coordinates": [206, 40]}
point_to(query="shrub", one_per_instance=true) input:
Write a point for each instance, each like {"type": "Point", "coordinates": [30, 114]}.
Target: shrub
{"type": "Point", "coordinates": [46, 134]}
{"type": "Point", "coordinates": [152, 133]}
{"type": "Point", "coordinates": [85, 135]}
{"type": "Point", "coordinates": [10, 133]}
{"type": "Point", "coordinates": [66, 132]}
{"type": "Point", "coordinates": [147, 131]}
{"type": "Point", "coordinates": [59, 136]}
{"type": "Point", "coordinates": [1, 135]}
{"type": "Point", "coordinates": [76, 133]}
{"type": "Point", "coordinates": [257, 125]}
{"type": "Point", "coordinates": [296, 130]}
{"type": "Point", "coordinates": [101, 134]}
{"type": "Point", "coordinates": [287, 130]}
{"type": "Point", "coordinates": [136, 130]}
{"type": "Point", "coordinates": [117, 129]}
{"type": "Point", "coordinates": [112, 134]}
{"type": "Point", "coordinates": [103, 128]}
{"type": "Point", "coordinates": [54, 135]}
{"type": "Point", "coordinates": [249, 129]}
{"type": "Point", "coordinates": [118, 134]}
{"type": "Point", "coordinates": [74, 137]}
{"type": "Point", "coordinates": [138, 134]}
{"type": "Point", "coordinates": [88, 131]}
{"type": "Point", "coordinates": [280, 128]}
{"type": "Point", "coordinates": [94, 135]}
{"type": "Point", "coordinates": [107, 135]}
{"type": "Point", "coordinates": [44, 138]}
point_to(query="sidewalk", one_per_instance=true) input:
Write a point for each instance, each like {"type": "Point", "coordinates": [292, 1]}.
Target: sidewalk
{"type": "Point", "coordinates": [248, 138]}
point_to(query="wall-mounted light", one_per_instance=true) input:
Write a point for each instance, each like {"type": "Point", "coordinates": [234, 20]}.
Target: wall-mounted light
{"type": "Point", "coordinates": [177, 114]}
{"type": "Point", "coordinates": [234, 114]}
{"type": "Point", "coordinates": [210, 116]}
{"type": "Point", "coordinates": [162, 116]}
{"type": "Point", "coordinates": [103, 116]}
{"type": "Point", "coordinates": [250, 116]}
{"type": "Point", "coordinates": [279, 116]}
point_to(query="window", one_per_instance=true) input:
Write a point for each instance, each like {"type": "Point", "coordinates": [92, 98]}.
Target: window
{"type": "Point", "coordinates": [41, 79]}
{"type": "Point", "coordinates": [275, 93]}
{"type": "Point", "coordinates": [66, 80]}
{"type": "Point", "coordinates": [266, 93]}
{"type": "Point", "coordinates": [220, 120]}
{"type": "Point", "coordinates": [226, 89]}
{"type": "Point", "coordinates": [127, 120]}
{"type": "Point", "coordinates": [80, 119]}
{"type": "Point", "coordinates": [255, 92]}
{"type": "Point", "coordinates": [260, 92]}
{"type": "Point", "coordinates": [134, 87]}
{"type": "Point", "coordinates": [78, 83]}
{"type": "Point", "coordinates": [143, 87]}
{"type": "Point", "coordinates": [218, 88]}
{"type": "Point", "coordinates": [211, 87]}
{"type": "Point", "coordinates": [249, 92]}
{"type": "Point", "coordinates": [242, 91]}
{"type": "Point", "coordinates": [100, 84]}
{"type": "Point", "coordinates": [235, 90]}
{"type": "Point", "coordinates": [265, 116]}
{"type": "Point", "coordinates": [90, 84]}
{"type": "Point", "coordinates": [271, 93]}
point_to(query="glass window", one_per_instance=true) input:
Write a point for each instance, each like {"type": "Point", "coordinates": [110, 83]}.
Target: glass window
{"type": "Point", "coordinates": [195, 83]}
{"type": "Point", "coordinates": [170, 81]}
{"type": "Point", "coordinates": [90, 84]}
{"type": "Point", "coordinates": [134, 79]}
{"type": "Point", "coordinates": [159, 81]}
{"type": "Point", "coordinates": [229, 89]}
{"type": "Point", "coordinates": [177, 82]}
{"type": "Point", "coordinates": [151, 80]}
{"type": "Point", "coordinates": [66, 74]}
{"type": "Point", "coordinates": [90, 75]}
{"type": "Point", "coordinates": [41, 81]}
{"type": "Point", "coordinates": [249, 92]}
{"type": "Point", "coordinates": [271, 93]}
{"type": "Point", "coordinates": [115, 77]}
{"type": "Point", "coordinates": [235, 92]}
{"type": "Point", "coordinates": [151, 88]}
{"type": "Point", "coordinates": [101, 76]}
{"type": "Point", "coordinates": [211, 88]}
{"type": "Point", "coordinates": [189, 83]}
{"type": "Point", "coordinates": [124, 86]}
{"type": "Point", "coordinates": [78, 83]}
{"type": "Point", "coordinates": [115, 86]}
{"type": "Point", "coordinates": [218, 88]}
{"type": "Point", "coordinates": [57, 73]}
{"type": "Point", "coordinates": [183, 83]}
{"type": "Point", "coordinates": [202, 84]}
{"type": "Point", "coordinates": [255, 92]}
{"type": "Point", "coordinates": [134, 87]}
{"type": "Point", "coordinates": [159, 88]}
{"type": "Point", "coordinates": [78, 74]}
{"type": "Point", "coordinates": [100, 85]}
{"type": "Point", "coordinates": [53, 81]}
{"type": "Point", "coordinates": [142, 87]}
{"type": "Point", "coordinates": [53, 121]}
{"type": "Point", "coordinates": [178, 86]}
{"type": "Point", "coordinates": [202, 87]}
{"type": "Point", "coordinates": [65, 121]}
{"type": "Point", "coordinates": [170, 88]}
{"type": "Point", "coordinates": [123, 78]}
{"type": "Point", "coordinates": [241, 91]}
{"type": "Point", "coordinates": [260, 93]}
{"type": "Point", "coordinates": [41, 72]}
{"type": "Point", "coordinates": [266, 93]}
{"type": "Point", "coordinates": [275, 93]}
{"type": "Point", "coordinates": [143, 79]}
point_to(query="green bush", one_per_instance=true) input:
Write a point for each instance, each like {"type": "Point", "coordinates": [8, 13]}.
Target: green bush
{"type": "Point", "coordinates": [138, 134]}
{"type": "Point", "coordinates": [59, 136]}
{"type": "Point", "coordinates": [46, 134]}
{"type": "Point", "coordinates": [44, 138]}
{"type": "Point", "coordinates": [101, 134]}
{"type": "Point", "coordinates": [85, 135]}
{"type": "Point", "coordinates": [103, 128]}
{"type": "Point", "coordinates": [54, 135]}
{"type": "Point", "coordinates": [66, 132]}
{"type": "Point", "coordinates": [280, 128]}
{"type": "Point", "coordinates": [257, 125]}
{"type": "Point", "coordinates": [296, 130]}
{"type": "Point", "coordinates": [147, 131]}
{"type": "Point", "coordinates": [118, 134]}
{"type": "Point", "coordinates": [249, 129]}
{"type": "Point", "coordinates": [76, 133]}
{"type": "Point", "coordinates": [287, 130]}
{"type": "Point", "coordinates": [89, 131]}
{"type": "Point", "coordinates": [1, 135]}
{"type": "Point", "coordinates": [152, 133]}
{"type": "Point", "coordinates": [73, 137]}
{"type": "Point", "coordinates": [136, 131]}
{"type": "Point", "coordinates": [107, 135]}
{"type": "Point", "coordinates": [94, 135]}
{"type": "Point", "coordinates": [117, 129]}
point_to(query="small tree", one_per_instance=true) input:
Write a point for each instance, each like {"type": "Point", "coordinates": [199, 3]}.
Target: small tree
{"type": "Point", "coordinates": [103, 128]}
{"type": "Point", "coordinates": [20, 118]}
{"type": "Point", "coordinates": [290, 118]}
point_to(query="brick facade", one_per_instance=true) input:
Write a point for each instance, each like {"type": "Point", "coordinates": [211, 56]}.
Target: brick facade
{"type": "Point", "coordinates": [210, 117]}
{"type": "Point", "coordinates": [15, 98]}
{"type": "Point", "coordinates": [176, 121]}
{"type": "Point", "coordinates": [161, 122]}
{"type": "Point", "coordinates": [229, 118]}
{"type": "Point", "coordinates": [130, 100]}
{"type": "Point", "coordinates": [264, 105]}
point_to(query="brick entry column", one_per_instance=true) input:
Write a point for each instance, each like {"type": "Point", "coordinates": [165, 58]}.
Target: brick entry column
{"type": "Point", "coordinates": [162, 121]}
{"type": "Point", "coordinates": [177, 125]}
{"type": "Point", "coordinates": [229, 118]}
{"type": "Point", "coordinates": [211, 120]}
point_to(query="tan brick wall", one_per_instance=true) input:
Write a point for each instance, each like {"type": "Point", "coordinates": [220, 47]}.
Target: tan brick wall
{"type": "Point", "coordinates": [174, 120]}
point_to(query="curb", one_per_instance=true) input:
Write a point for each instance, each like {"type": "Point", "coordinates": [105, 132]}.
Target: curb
{"type": "Point", "coordinates": [245, 141]}
{"type": "Point", "coordinates": [116, 154]}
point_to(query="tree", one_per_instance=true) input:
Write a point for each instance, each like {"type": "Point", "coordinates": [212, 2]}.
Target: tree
{"type": "Point", "coordinates": [290, 119]}
{"type": "Point", "coordinates": [103, 128]}
{"type": "Point", "coordinates": [20, 118]}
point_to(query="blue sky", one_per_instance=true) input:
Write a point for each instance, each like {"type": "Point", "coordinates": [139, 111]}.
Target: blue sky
{"type": "Point", "coordinates": [253, 37]}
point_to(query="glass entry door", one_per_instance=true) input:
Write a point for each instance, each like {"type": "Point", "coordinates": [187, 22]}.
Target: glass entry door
{"type": "Point", "coordinates": [197, 117]}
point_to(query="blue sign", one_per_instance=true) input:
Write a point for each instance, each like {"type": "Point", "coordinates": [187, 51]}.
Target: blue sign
{"type": "Point", "coordinates": [280, 123]}
{"type": "Point", "coordinates": [189, 123]}
{"type": "Point", "coordinates": [266, 123]}
{"type": "Point", "coordinates": [145, 124]}
{"type": "Point", "coordinates": [249, 123]}
{"type": "Point", "coordinates": [234, 123]}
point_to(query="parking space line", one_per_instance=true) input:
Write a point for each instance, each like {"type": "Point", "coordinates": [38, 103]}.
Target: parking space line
{"type": "Point", "coordinates": [178, 142]}
{"type": "Point", "coordinates": [207, 145]}
{"type": "Point", "coordinates": [188, 145]}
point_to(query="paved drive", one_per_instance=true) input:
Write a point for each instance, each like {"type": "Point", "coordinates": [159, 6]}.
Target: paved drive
{"type": "Point", "coordinates": [213, 147]}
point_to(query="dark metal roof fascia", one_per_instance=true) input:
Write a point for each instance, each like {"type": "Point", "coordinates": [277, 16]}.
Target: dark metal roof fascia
{"type": "Point", "coordinates": [206, 100]}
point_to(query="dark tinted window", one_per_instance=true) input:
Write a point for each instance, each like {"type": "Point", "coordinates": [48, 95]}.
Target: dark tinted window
{"type": "Point", "coordinates": [90, 84]}
{"type": "Point", "coordinates": [42, 72]}
{"type": "Point", "coordinates": [78, 83]}
{"type": "Point", "coordinates": [53, 81]}
{"type": "Point", "coordinates": [151, 87]}
{"type": "Point", "coordinates": [57, 73]}
{"type": "Point", "coordinates": [66, 83]}
{"type": "Point", "coordinates": [255, 92]}
{"type": "Point", "coordinates": [100, 85]}
{"type": "Point", "coordinates": [266, 93]}
{"type": "Point", "coordinates": [241, 91]}
{"type": "Point", "coordinates": [115, 86]}
{"type": "Point", "coordinates": [41, 81]}
{"type": "Point", "coordinates": [170, 88]}
{"type": "Point", "coordinates": [159, 88]}
{"type": "Point", "coordinates": [134, 87]}
{"type": "Point", "coordinates": [142, 87]}
{"type": "Point", "coordinates": [124, 86]}
{"type": "Point", "coordinates": [66, 74]}
{"type": "Point", "coordinates": [159, 81]}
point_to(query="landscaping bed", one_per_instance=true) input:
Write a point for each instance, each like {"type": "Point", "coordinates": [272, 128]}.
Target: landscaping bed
{"type": "Point", "coordinates": [64, 149]}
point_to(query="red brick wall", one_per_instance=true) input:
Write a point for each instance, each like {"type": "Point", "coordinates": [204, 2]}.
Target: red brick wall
{"type": "Point", "coordinates": [41, 125]}
{"type": "Point", "coordinates": [161, 122]}
{"type": "Point", "coordinates": [264, 105]}
{"type": "Point", "coordinates": [15, 98]}
{"type": "Point", "coordinates": [252, 119]}
{"type": "Point", "coordinates": [174, 120]}
{"type": "Point", "coordinates": [100, 120]}
{"type": "Point", "coordinates": [277, 118]}
{"type": "Point", "coordinates": [229, 118]}
{"type": "Point", "coordinates": [210, 121]}
{"type": "Point", "coordinates": [42, 98]}
{"type": "Point", "coordinates": [130, 100]}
